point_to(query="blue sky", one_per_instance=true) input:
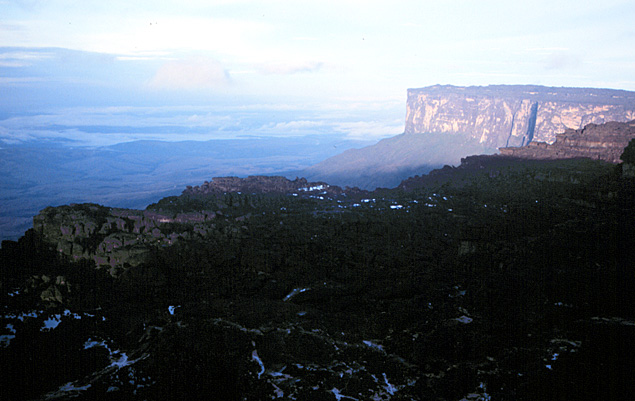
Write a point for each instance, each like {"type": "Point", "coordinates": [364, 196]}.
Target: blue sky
{"type": "Point", "coordinates": [327, 64]}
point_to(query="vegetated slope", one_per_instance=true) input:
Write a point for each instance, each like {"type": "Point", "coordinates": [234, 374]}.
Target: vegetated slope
{"type": "Point", "coordinates": [515, 283]}
{"type": "Point", "coordinates": [391, 160]}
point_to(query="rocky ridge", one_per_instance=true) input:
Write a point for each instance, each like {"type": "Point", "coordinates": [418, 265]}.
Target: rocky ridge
{"type": "Point", "coordinates": [118, 238]}
{"type": "Point", "coordinates": [265, 185]}
{"type": "Point", "coordinates": [113, 238]}
{"type": "Point", "coordinates": [603, 142]}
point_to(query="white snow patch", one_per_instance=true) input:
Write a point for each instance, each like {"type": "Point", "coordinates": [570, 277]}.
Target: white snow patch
{"type": "Point", "coordinates": [90, 343]}
{"type": "Point", "coordinates": [314, 188]}
{"type": "Point", "coordinates": [477, 396]}
{"type": "Point", "coordinates": [389, 387]}
{"type": "Point", "coordinates": [280, 375]}
{"type": "Point", "coordinates": [5, 340]}
{"type": "Point", "coordinates": [396, 206]}
{"type": "Point", "coordinates": [339, 396]}
{"type": "Point", "coordinates": [52, 322]}
{"type": "Point", "coordinates": [21, 316]}
{"type": "Point", "coordinates": [255, 357]}
{"type": "Point", "coordinates": [117, 358]}
{"type": "Point", "coordinates": [73, 314]}
{"type": "Point", "coordinates": [122, 361]}
{"type": "Point", "coordinates": [277, 391]}
{"type": "Point", "coordinates": [464, 319]}
{"type": "Point", "coordinates": [68, 390]}
{"type": "Point", "coordinates": [564, 342]}
{"type": "Point", "coordinates": [71, 387]}
{"type": "Point", "coordinates": [295, 292]}
{"type": "Point", "coordinates": [373, 345]}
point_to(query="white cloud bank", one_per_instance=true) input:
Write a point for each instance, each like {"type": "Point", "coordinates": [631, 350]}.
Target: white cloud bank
{"type": "Point", "coordinates": [190, 74]}
{"type": "Point", "coordinates": [293, 67]}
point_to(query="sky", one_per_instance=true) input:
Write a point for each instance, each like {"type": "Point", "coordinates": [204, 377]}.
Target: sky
{"type": "Point", "coordinates": [311, 66]}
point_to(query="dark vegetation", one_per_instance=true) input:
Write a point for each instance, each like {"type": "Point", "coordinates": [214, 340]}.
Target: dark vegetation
{"type": "Point", "coordinates": [506, 281]}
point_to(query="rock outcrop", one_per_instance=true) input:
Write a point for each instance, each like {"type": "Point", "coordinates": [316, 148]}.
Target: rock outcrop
{"type": "Point", "coordinates": [603, 142]}
{"type": "Point", "coordinates": [513, 115]}
{"type": "Point", "coordinates": [114, 238]}
{"type": "Point", "coordinates": [117, 238]}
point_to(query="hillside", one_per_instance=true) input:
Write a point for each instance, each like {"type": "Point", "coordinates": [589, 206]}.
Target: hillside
{"type": "Point", "coordinates": [391, 160]}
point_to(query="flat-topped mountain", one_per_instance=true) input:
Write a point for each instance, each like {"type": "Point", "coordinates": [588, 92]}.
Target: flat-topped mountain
{"type": "Point", "coordinates": [513, 115]}
{"type": "Point", "coordinates": [445, 123]}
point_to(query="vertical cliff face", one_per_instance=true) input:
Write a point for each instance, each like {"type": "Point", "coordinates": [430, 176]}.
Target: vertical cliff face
{"type": "Point", "coordinates": [505, 115]}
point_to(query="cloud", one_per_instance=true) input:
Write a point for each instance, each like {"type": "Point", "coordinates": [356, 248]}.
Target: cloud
{"type": "Point", "coordinates": [370, 130]}
{"type": "Point", "coordinates": [561, 60]}
{"type": "Point", "coordinates": [190, 74]}
{"type": "Point", "coordinates": [296, 127]}
{"type": "Point", "coordinates": [22, 58]}
{"type": "Point", "coordinates": [287, 68]}
{"type": "Point", "coordinates": [19, 80]}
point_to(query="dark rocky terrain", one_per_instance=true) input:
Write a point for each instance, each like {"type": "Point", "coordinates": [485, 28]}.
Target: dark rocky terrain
{"type": "Point", "coordinates": [501, 279]}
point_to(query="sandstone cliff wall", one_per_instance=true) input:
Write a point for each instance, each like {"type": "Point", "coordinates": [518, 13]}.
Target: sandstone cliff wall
{"type": "Point", "coordinates": [505, 115]}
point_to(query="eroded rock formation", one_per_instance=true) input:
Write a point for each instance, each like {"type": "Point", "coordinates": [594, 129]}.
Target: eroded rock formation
{"type": "Point", "coordinates": [603, 142]}
{"type": "Point", "coordinates": [113, 238]}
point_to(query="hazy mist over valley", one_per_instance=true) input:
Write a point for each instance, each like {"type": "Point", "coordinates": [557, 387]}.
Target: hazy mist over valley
{"type": "Point", "coordinates": [132, 156]}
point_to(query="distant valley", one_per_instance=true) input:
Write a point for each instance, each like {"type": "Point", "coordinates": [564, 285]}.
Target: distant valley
{"type": "Point", "coordinates": [135, 174]}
